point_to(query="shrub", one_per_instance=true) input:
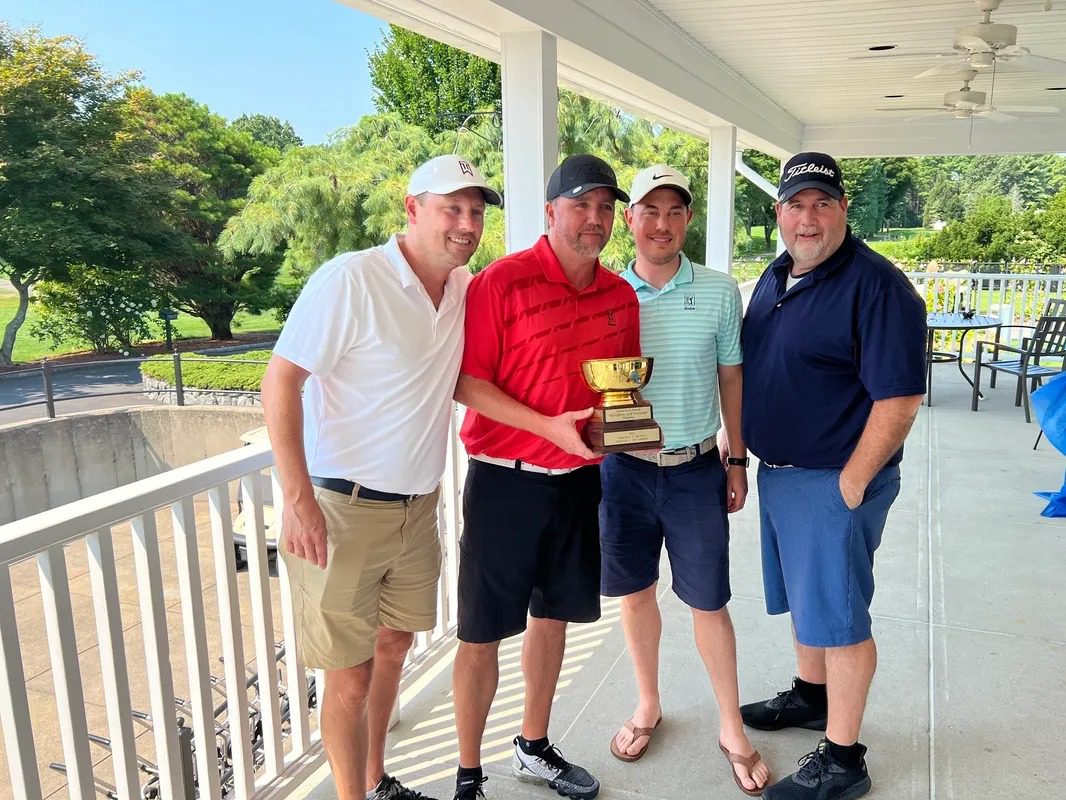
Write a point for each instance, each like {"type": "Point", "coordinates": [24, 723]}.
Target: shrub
{"type": "Point", "coordinates": [212, 372]}
{"type": "Point", "coordinates": [102, 309]}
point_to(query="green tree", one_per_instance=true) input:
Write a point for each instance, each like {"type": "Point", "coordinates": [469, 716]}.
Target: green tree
{"type": "Point", "coordinates": [268, 130]}
{"type": "Point", "coordinates": [753, 205]}
{"type": "Point", "coordinates": [868, 192]}
{"type": "Point", "coordinates": [209, 166]}
{"type": "Point", "coordinates": [70, 190]}
{"type": "Point", "coordinates": [429, 83]}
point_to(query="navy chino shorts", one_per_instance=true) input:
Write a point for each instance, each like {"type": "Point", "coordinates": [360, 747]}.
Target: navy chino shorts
{"type": "Point", "coordinates": [818, 555]}
{"type": "Point", "coordinates": [645, 506]}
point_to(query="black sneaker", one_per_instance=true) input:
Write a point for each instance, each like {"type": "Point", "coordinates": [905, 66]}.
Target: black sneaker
{"type": "Point", "coordinates": [549, 767]}
{"type": "Point", "coordinates": [821, 777]}
{"type": "Point", "coordinates": [787, 710]}
{"type": "Point", "coordinates": [389, 788]}
{"type": "Point", "coordinates": [470, 789]}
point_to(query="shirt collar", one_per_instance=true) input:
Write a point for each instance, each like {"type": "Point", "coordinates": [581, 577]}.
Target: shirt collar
{"type": "Point", "coordinates": [457, 282]}
{"type": "Point", "coordinates": [841, 256]}
{"type": "Point", "coordinates": [554, 272]}
{"type": "Point", "coordinates": [395, 256]}
{"type": "Point", "coordinates": [684, 275]}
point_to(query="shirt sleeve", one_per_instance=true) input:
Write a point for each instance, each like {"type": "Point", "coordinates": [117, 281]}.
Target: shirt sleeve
{"type": "Point", "coordinates": [632, 330]}
{"type": "Point", "coordinates": [484, 329]}
{"type": "Point", "coordinates": [891, 347]}
{"type": "Point", "coordinates": [323, 322]}
{"type": "Point", "coordinates": [729, 353]}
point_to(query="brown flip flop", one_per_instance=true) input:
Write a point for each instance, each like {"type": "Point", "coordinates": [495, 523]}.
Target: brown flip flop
{"type": "Point", "coordinates": [748, 762]}
{"type": "Point", "coordinates": [636, 734]}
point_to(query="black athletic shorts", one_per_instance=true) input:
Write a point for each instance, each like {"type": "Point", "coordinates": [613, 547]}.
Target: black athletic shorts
{"type": "Point", "coordinates": [531, 543]}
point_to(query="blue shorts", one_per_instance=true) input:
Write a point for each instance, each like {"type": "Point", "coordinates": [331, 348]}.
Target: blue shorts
{"type": "Point", "coordinates": [644, 505]}
{"type": "Point", "coordinates": [818, 556]}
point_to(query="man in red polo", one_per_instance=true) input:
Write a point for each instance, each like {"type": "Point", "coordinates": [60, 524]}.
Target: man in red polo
{"type": "Point", "coordinates": [530, 541]}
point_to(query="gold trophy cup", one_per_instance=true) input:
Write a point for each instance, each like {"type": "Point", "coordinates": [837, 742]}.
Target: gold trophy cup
{"type": "Point", "coordinates": [620, 421]}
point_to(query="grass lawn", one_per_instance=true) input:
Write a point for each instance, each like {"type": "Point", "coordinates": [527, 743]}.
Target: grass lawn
{"type": "Point", "coordinates": [29, 349]}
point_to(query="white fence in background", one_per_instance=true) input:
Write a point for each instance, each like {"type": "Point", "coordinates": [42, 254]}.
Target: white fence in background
{"type": "Point", "coordinates": [1016, 300]}
{"type": "Point", "coordinates": [248, 733]}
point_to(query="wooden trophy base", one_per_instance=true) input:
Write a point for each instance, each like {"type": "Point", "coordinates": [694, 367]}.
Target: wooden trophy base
{"type": "Point", "coordinates": [620, 429]}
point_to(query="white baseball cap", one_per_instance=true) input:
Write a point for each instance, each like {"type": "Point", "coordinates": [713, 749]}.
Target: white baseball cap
{"type": "Point", "coordinates": [447, 174]}
{"type": "Point", "coordinates": [656, 177]}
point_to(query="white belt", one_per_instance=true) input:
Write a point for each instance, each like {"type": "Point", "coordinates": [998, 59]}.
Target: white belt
{"type": "Point", "coordinates": [677, 456]}
{"type": "Point", "coordinates": [523, 466]}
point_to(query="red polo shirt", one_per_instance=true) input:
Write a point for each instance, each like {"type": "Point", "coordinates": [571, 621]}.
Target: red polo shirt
{"type": "Point", "coordinates": [527, 331]}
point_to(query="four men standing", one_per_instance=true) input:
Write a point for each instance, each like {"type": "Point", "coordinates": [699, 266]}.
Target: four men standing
{"type": "Point", "coordinates": [833, 373]}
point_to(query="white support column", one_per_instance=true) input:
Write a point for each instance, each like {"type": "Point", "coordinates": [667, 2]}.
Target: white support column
{"type": "Point", "coordinates": [720, 194]}
{"type": "Point", "coordinates": [780, 240]}
{"type": "Point", "coordinates": [530, 132]}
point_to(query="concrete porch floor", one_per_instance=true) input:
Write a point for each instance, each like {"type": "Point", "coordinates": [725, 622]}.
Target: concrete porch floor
{"type": "Point", "coordinates": [969, 619]}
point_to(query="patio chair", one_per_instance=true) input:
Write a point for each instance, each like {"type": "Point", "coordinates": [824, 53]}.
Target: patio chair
{"type": "Point", "coordinates": [1047, 342]}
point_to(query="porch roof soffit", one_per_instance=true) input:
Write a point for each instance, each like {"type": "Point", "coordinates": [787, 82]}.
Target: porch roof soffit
{"type": "Point", "coordinates": [623, 53]}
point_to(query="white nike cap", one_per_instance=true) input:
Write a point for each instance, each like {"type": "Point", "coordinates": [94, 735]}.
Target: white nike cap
{"type": "Point", "coordinates": [447, 174]}
{"type": "Point", "coordinates": [657, 177]}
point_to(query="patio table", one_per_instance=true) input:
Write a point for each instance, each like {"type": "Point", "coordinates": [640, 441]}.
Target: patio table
{"type": "Point", "coordinates": [951, 321]}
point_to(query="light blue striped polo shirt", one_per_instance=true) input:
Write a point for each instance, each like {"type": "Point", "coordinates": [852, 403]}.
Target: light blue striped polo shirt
{"type": "Point", "coordinates": [689, 327]}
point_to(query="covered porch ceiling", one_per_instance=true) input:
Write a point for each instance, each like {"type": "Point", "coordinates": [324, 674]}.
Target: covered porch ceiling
{"type": "Point", "coordinates": [789, 74]}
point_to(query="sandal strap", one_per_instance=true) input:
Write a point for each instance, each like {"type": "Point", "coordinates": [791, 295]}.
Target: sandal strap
{"type": "Point", "coordinates": [635, 731]}
{"type": "Point", "coordinates": [748, 762]}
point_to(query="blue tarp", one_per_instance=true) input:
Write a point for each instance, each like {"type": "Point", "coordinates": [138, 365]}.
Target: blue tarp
{"type": "Point", "coordinates": [1049, 404]}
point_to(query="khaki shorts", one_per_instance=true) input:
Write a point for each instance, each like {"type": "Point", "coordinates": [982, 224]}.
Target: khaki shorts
{"type": "Point", "coordinates": [382, 568]}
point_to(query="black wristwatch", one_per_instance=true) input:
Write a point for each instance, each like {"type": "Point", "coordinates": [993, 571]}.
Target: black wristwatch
{"type": "Point", "coordinates": [737, 462]}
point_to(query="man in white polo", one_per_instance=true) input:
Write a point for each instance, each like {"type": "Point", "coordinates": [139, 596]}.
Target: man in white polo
{"type": "Point", "coordinates": [690, 324]}
{"type": "Point", "coordinates": [374, 341]}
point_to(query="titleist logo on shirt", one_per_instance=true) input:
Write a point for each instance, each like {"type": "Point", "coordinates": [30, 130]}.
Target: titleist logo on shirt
{"type": "Point", "coordinates": [802, 169]}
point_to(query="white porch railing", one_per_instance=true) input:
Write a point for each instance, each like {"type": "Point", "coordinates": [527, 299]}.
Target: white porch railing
{"type": "Point", "coordinates": [1013, 299]}
{"type": "Point", "coordinates": [248, 733]}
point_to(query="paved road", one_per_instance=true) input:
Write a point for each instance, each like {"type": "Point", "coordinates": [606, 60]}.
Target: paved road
{"type": "Point", "coordinates": [72, 387]}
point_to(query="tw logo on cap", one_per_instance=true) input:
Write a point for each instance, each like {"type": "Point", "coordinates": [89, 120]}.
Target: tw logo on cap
{"type": "Point", "coordinates": [465, 168]}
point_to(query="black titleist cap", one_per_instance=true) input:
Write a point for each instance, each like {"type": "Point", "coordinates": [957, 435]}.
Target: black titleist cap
{"type": "Point", "coordinates": [810, 171]}
{"type": "Point", "coordinates": [582, 173]}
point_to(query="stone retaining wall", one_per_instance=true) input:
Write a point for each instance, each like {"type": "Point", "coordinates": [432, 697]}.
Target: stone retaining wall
{"type": "Point", "coordinates": [164, 392]}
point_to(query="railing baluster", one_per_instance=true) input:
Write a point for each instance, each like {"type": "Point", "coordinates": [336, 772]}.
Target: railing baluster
{"type": "Point", "coordinates": [190, 588]}
{"type": "Point", "coordinates": [66, 671]}
{"type": "Point", "coordinates": [157, 654]}
{"type": "Point", "coordinates": [113, 671]}
{"type": "Point", "coordinates": [232, 643]}
{"type": "Point", "coordinates": [262, 620]}
{"type": "Point", "coordinates": [14, 705]}
{"type": "Point", "coordinates": [295, 673]}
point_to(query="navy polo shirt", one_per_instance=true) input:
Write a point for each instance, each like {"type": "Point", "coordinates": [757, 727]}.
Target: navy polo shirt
{"type": "Point", "coordinates": [817, 356]}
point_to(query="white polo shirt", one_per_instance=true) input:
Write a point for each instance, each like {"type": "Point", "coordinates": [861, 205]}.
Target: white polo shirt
{"type": "Point", "coordinates": [383, 364]}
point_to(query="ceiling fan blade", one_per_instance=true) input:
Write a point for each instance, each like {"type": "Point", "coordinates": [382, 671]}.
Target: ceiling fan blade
{"type": "Point", "coordinates": [952, 65]}
{"type": "Point", "coordinates": [914, 108]}
{"type": "Point", "coordinates": [1028, 109]}
{"type": "Point", "coordinates": [994, 115]}
{"type": "Point", "coordinates": [884, 56]}
{"type": "Point", "coordinates": [1052, 66]}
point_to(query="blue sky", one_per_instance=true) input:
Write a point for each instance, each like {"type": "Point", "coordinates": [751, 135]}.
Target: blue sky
{"type": "Point", "coordinates": [301, 60]}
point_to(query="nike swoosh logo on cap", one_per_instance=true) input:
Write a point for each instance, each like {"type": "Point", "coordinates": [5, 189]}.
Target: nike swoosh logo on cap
{"type": "Point", "coordinates": [658, 177]}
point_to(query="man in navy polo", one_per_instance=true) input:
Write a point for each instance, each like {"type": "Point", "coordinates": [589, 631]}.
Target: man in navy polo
{"type": "Point", "coordinates": [834, 373]}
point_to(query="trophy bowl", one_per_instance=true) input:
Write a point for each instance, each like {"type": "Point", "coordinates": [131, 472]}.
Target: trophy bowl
{"type": "Point", "coordinates": [617, 378]}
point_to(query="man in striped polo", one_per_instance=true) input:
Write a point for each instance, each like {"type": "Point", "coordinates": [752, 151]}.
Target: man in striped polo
{"type": "Point", "coordinates": [690, 324]}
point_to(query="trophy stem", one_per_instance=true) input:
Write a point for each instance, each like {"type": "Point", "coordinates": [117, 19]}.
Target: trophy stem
{"type": "Point", "coordinates": [617, 398]}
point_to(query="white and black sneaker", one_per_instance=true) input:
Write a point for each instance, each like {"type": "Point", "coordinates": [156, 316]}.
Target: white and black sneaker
{"type": "Point", "coordinates": [549, 767]}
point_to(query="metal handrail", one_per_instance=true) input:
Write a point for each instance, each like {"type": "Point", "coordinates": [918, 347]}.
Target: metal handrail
{"type": "Point", "coordinates": [47, 370]}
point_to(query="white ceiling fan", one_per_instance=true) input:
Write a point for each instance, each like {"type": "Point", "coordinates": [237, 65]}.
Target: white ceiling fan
{"type": "Point", "coordinates": [967, 103]}
{"type": "Point", "coordinates": [982, 46]}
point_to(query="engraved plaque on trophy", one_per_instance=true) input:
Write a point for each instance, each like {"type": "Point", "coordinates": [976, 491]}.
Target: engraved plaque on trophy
{"type": "Point", "coordinates": [621, 421]}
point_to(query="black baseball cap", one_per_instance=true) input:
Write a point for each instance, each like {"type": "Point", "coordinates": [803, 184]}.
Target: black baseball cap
{"type": "Point", "coordinates": [582, 173]}
{"type": "Point", "coordinates": [810, 171]}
